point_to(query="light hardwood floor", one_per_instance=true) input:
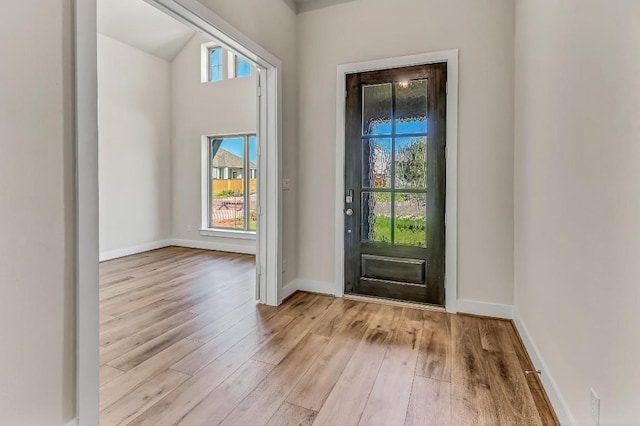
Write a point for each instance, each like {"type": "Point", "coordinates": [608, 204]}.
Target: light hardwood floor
{"type": "Point", "coordinates": [183, 342]}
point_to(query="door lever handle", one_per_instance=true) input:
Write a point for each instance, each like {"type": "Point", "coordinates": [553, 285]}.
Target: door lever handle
{"type": "Point", "coordinates": [348, 212]}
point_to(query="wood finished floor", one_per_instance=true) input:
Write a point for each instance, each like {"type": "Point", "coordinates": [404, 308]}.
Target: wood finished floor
{"type": "Point", "coordinates": [183, 342]}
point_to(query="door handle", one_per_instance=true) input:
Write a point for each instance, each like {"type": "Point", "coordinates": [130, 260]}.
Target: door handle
{"type": "Point", "coordinates": [348, 212]}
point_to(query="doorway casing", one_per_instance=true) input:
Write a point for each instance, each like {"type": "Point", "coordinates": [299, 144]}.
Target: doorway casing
{"type": "Point", "coordinates": [268, 258]}
{"type": "Point", "coordinates": [451, 204]}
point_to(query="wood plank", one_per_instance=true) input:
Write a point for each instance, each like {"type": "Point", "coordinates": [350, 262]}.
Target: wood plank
{"type": "Point", "coordinates": [298, 303]}
{"type": "Point", "coordinates": [382, 316]}
{"type": "Point", "coordinates": [541, 400]}
{"type": "Point", "coordinates": [133, 322]}
{"type": "Point", "coordinates": [245, 313]}
{"type": "Point", "coordinates": [105, 317]}
{"type": "Point", "coordinates": [471, 397]}
{"type": "Point", "coordinates": [314, 387]}
{"type": "Point", "coordinates": [264, 401]}
{"type": "Point", "coordinates": [389, 398]}
{"type": "Point", "coordinates": [140, 339]}
{"type": "Point", "coordinates": [122, 385]}
{"type": "Point", "coordinates": [292, 415]}
{"type": "Point", "coordinates": [218, 404]}
{"type": "Point", "coordinates": [545, 409]}
{"type": "Point", "coordinates": [179, 402]}
{"type": "Point", "coordinates": [148, 393]}
{"type": "Point", "coordinates": [274, 351]}
{"type": "Point", "coordinates": [340, 313]}
{"type": "Point", "coordinates": [430, 403]}
{"type": "Point", "coordinates": [510, 390]}
{"type": "Point", "coordinates": [259, 332]}
{"type": "Point", "coordinates": [349, 396]}
{"type": "Point", "coordinates": [494, 336]}
{"type": "Point", "coordinates": [434, 360]}
{"type": "Point", "coordinates": [108, 373]}
{"type": "Point", "coordinates": [143, 352]}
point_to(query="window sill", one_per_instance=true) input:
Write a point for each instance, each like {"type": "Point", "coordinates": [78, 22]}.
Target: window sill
{"type": "Point", "coordinates": [228, 233]}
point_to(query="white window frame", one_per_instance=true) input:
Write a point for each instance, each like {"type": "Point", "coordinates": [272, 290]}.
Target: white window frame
{"type": "Point", "coordinates": [207, 228]}
{"type": "Point", "coordinates": [232, 65]}
{"type": "Point", "coordinates": [205, 62]}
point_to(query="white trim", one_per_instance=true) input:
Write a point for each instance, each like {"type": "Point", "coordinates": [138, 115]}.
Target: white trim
{"type": "Point", "coordinates": [73, 422]}
{"type": "Point", "coordinates": [87, 225]}
{"type": "Point", "coordinates": [288, 290]}
{"type": "Point", "coordinates": [128, 251]}
{"type": "Point", "coordinates": [486, 309]}
{"type": "Point", "coordinates": [155, 245]}
{"type": "Point", "coordinates": [451, 208]}
{"type": "Point", "coordinates": [214, 245]}
{"type": "Point", "coordinates": [228, 233]}
{"type": "Point", "coordinates": [205, 183]}
{"type": "Point", "coordinates": [320, 287]}
{"type": "Point", "coordinates": [558, 402]}
{"type": "Point", "coordinates": [202, 19]}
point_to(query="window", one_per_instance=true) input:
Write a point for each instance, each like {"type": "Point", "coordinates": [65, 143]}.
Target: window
{"type": "Point", "coordinates": [215, 64]}
{"type": "Point", "coordinates": [218, 64]}
{"type": "Point", "coordinates": [243, 67]}
{"type": "Point", "coordinates": [232, 200]}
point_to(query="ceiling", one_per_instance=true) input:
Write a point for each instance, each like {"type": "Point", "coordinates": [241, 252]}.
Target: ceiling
{"type": "Point", "coordinates": [138, 24]}
{"type": "Point", "coordinates": [142, 26]}
{"type": "Point", "coordinates": [300, 6]}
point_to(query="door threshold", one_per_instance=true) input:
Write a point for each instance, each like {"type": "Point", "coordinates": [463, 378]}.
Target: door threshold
{"type": "Point", "coordinates": [393, 302]}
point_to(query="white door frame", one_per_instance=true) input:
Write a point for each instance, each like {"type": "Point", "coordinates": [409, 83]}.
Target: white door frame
{"type": "Point", "coordinates": [451, 205]}
{"type": "Point", "coordinates": [203, 20]}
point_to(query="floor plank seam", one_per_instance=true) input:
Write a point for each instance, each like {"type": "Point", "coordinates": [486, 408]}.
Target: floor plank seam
{"type": "Point", "coordinates": [432, 378]}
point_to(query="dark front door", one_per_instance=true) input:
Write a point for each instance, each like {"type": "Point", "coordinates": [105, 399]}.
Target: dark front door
{"type": "Point", "coordinates": [395, 183]}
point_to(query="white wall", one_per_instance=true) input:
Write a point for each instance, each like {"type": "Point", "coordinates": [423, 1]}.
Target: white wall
{"type": "Point", "coordinates": [37, 297]}
{"type": "Point", "coordinates": [197, 109]}
{"type": "Point", "coordinates": [134, 121]}
{"type": "Point", "coordinates": [577, 197]}
{"type": "Point", "coordinates": [272, 24]}
{"type": "Point", "coordinates": [373, 29]}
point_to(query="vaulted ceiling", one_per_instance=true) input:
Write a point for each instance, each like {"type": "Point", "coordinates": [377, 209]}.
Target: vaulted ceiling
{"type": "Point", "coordinates": [142, 26]}
{"type": "Point", "coordinates": [138, 24]}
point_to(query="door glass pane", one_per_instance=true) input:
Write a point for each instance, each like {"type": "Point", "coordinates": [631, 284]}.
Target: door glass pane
{"type": "Point", "coordinates": [410, 227]}
{"type": "Point", "coordinates": [253, 183]}
{"type": "Point", "coordinates": [376, 163]}
{"type": "Point", "coordinates": [411, 162]}
{"type": "Point", "coordinates": [411, 106]}
{"type": "Point", "coordinates": [376, 109]}
{"type": "Point", "coordinates": [227, 182]}
{"type": "Point", "coordinates": [376, 216]}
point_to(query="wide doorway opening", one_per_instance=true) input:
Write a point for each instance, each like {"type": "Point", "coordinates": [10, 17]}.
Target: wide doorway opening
{"type": "Point", "coordinates": [178, 200]}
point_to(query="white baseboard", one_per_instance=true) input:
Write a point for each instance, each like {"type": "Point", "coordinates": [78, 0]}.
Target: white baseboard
{"type": "Point", "coordinates": [212, 245]}
{"type": "Point", "coordinates": [485, 309]}
{"type": "Point", "coordinates": [128, 251]}
{"type": "Point", "coordinates": [550, 386]}
{"type": "Point", "coordinates": [321, 287]}
{"type": "Point", "coordinates": [204, 245]}
{"type": "Point", "coordinates": [288, 290]}
{"type": "Point", "coordinates": [73, 422]}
